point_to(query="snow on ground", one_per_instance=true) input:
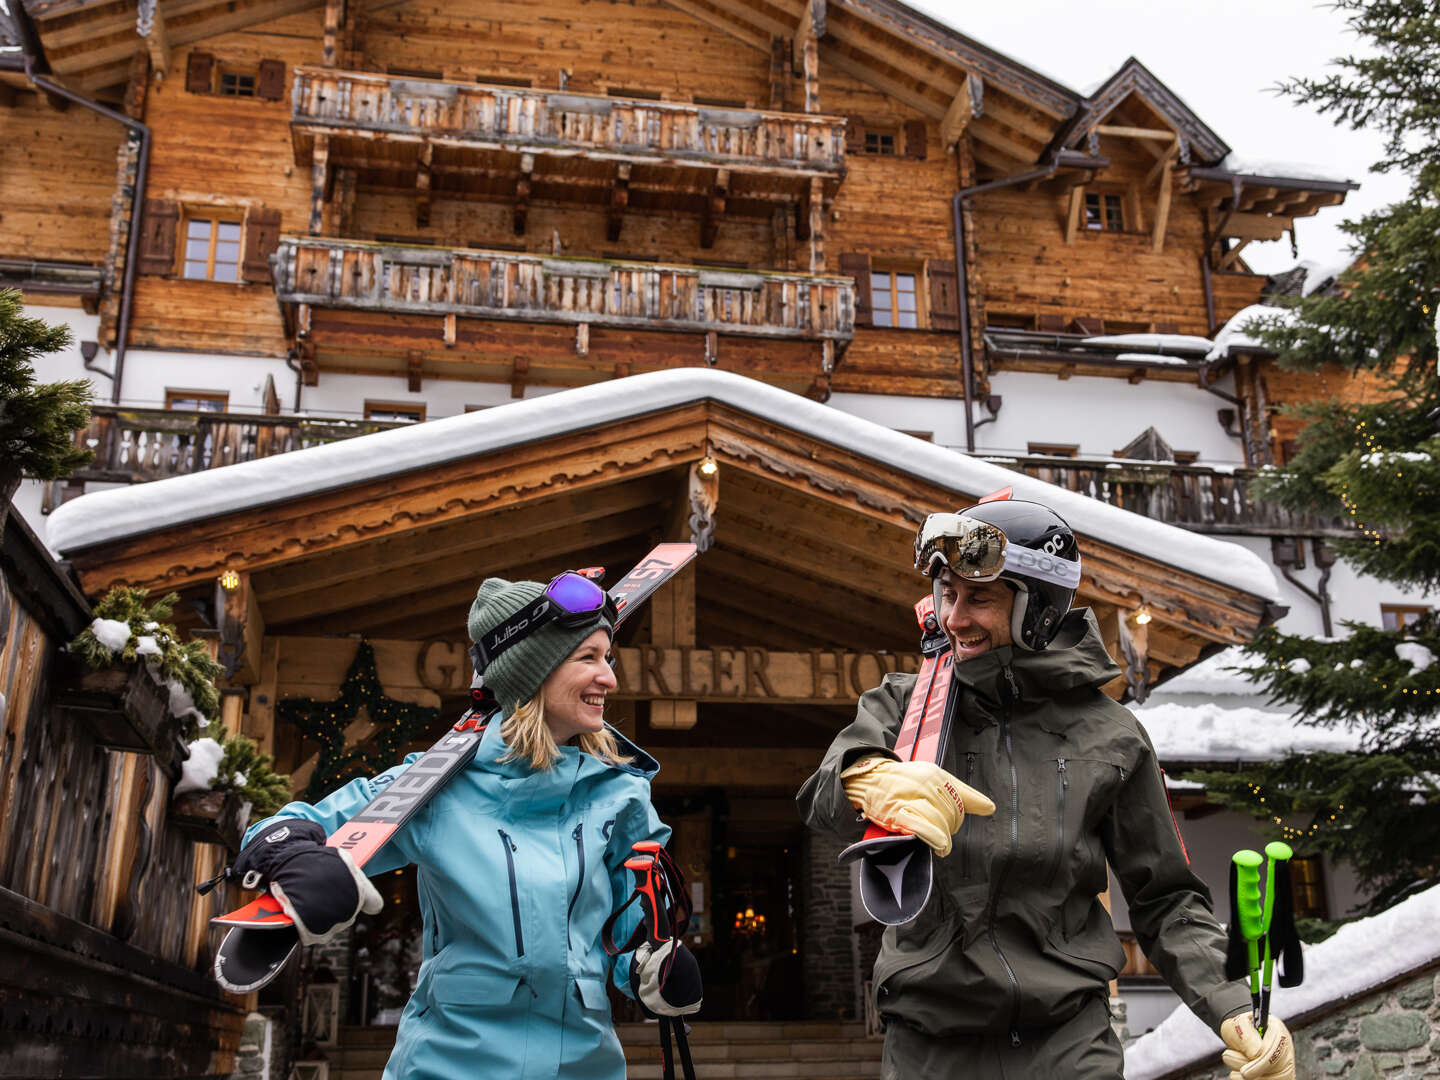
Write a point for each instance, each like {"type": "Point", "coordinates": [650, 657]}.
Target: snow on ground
{"type": "Point", "coordinates": [1361, 955]}
{"type": "Point", "coordinates": [1214, 733]}
{"type": "Point", "coordinates": [1174, 342]}
{"type": "Point", "coordinates": [1233, 334]}
{"type": "Point", "coordinates": [140, 508]}
{"type": "Point", "coordinates": [1290, 170]}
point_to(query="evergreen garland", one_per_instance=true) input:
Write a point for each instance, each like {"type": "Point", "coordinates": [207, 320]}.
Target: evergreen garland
{"type": "Point", "coordinates": [37, 422]}
{"type": "Point", "coordinates": [1378, 465]}
{"type": "Point", "coordinates": [397, 723]}
{"type": "Point", "coordinates": [245, 770]}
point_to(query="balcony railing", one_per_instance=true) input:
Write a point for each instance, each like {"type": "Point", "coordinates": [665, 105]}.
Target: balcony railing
{"type": "Point", "coordinates": [135, 445]}
{"type": "Point", "coordinates": [521, 119]}
{"type": "Point", "coordinates": [504, 285]}
{"type": "Point", "coordinates": [1196, 497]}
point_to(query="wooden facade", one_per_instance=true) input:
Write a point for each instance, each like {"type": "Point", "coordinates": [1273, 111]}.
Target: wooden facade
{"type": "Point", "coordinates": [106, 944]}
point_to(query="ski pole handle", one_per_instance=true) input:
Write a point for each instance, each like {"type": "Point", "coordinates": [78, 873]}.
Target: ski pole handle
{"type": "Point", "coordinates": [1278, 852]}
{"type": "Point", "coordinates": [1247, 909]}
{"type": "Point", "coordinates": [654, 915]}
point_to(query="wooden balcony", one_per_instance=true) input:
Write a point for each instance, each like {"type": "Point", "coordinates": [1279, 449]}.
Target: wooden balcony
{"type": "Point", "coordinates": [518, 143]}
{"type": "Point", "coordinates": [1195, 497]}
{"type": "Point", "coordinates": [135, 445]}
{"type": "Point", "coordinates": [353, 305]}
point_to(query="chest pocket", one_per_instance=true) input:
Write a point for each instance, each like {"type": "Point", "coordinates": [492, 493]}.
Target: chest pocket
{"type": "Point", "coordinates": [1072, 799]}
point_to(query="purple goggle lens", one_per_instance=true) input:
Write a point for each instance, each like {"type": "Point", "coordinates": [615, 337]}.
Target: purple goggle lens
{"type": "Point", "coordinates": [574, 596]}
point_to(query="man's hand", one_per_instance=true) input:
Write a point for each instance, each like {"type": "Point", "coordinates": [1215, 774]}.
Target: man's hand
{"type": "Point", "coordinates": [1253, 1056]}
{"type": "Point", "coordinates": [913, 797]}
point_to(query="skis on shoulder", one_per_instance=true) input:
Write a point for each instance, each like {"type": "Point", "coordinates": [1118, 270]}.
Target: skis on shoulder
{"type": "Point", "coordinates": [262, 937]}
{"type": "Point", "coordinates": [897, 870]}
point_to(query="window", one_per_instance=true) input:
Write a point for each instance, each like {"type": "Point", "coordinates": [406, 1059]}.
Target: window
{"type": "Point", "coordinates": [1307, 885]}
{"type": "Point", "coordinates": [894, 299]}
{"type": "Point", "coordinates": [1104, 212]}
{"type": "Point", "coordinates": [1052, 450]}
{"type": "Point", "coordinates": [1396, 616]}
{"type": "Point", "coordinates": [880, 142]}
{"type": "Point", "coordinates": [390, 410]}
{"type": "Point", "coordinates": [237, 83]}
{"type": "Point", "coordinates": [212, 246]}
{"type": "Point", "coordinates": [1186, 457]}
{"type": "Point", "coordinates": [197, 400]}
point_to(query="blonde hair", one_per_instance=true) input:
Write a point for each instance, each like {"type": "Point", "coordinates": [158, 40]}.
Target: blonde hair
{"type": "Point", "coordinates": [528, 737]}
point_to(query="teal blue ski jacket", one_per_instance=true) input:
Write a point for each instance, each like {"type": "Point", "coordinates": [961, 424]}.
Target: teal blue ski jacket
{"type": "Point", "coordinates": [518, 870]}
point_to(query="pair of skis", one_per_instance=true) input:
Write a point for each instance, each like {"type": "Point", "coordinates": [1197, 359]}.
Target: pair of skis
{"type": "Point", "coordinates": [897, 870]}
{"type": "Point", "coordinates": [262, 938]}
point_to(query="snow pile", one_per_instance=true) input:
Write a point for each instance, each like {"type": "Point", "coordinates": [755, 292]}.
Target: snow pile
{"type": "Point", "coordinates": [109, 515]}
{"type": "Point", "coordinates": [1361, 955]}
{"type": "Point", "coordinates": [1288, 170]}
{"type": "Point", "coordinates": [1384, 458]}
{"type": "Point", "coordinates": [1211, 676]}
{"type": "Point", "coordinates": [1210, 732]}
{"type": "Point", "coordinates": [1298, 666]}
{"type": "Point", "coordinates": [202, 766]}
{"type": "Point", "coordinates": [112, 633]}
{"type": "Point", "coordinates": [1159, 342]}
{"type": "Point", "coordinates": [1152, 358]}
{"type": "Point", "coordinates": [1416, 655]}
{"type": "Point", "coordinates": [1233, 335]}
{"type": "Point", "coordinates": [1319, 274]}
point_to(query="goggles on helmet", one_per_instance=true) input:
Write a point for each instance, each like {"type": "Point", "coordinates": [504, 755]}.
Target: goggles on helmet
{"type": "Point", "coordinates": [978, 551]}
{"type": "Point", "coordinates": [570, 600]}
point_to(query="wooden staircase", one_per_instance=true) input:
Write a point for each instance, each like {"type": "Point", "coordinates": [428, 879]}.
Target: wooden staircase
{"type": "Point", "coordinates": [721, 1051]}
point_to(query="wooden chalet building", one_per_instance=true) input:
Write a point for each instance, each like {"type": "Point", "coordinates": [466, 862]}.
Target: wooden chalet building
{"type": "Point", "coordinates": [288, 224]}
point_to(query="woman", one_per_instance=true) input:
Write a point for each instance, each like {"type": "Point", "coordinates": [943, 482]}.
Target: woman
{"type": "Point", "coordinates": [520, 859]}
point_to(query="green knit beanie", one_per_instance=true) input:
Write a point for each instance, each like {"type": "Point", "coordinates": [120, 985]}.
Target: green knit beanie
{"type": "Point", "coordinates": [517, 674]}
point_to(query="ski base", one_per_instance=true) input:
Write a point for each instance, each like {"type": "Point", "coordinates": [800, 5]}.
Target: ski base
{"type": "Point", "coordinates": [248, 959]}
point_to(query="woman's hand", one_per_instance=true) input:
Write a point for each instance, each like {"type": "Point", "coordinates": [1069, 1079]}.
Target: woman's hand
{"type": "Point", "coordinates": [666, 979]}
{"type": "Point", "coordinates": [913, 797]}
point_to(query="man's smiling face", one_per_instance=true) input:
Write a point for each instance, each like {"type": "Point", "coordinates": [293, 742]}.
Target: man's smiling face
{"type": "Point", "coordinates": [975, 614]}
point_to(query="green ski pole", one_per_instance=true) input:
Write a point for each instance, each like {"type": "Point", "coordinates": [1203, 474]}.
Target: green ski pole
{"type": "Point", "coordinates": [1278, 852]}
{"type": "Point", "coordinates": [1250, 916]}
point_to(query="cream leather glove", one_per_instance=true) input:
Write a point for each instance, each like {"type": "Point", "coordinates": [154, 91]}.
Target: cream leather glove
{"type": "Point", "coordinates": [1253, 1056]}
{"type": "Point", "coordinates": [913, 797]}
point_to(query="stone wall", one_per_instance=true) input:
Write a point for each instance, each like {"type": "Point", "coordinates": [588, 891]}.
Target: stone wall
{"type": "Point", "coordinates": [1393, 1032]}
{"type": "Point", "coordinates": [829, 960]}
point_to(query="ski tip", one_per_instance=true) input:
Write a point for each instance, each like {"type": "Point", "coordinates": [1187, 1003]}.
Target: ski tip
{"type": "Point", "coordinates": [262, 913]}
{"type": "Point", "coordinates": [246, 961]}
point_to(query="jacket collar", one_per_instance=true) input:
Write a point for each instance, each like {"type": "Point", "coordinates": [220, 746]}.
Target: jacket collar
{"type": "Point", "coordinates": [573, 764]}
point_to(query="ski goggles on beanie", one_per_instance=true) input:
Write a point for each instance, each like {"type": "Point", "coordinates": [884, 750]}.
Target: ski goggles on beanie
{"type": "Point", "coordinates": [571, 599]}
{"type": "Point", "coordinates": [979, 551]}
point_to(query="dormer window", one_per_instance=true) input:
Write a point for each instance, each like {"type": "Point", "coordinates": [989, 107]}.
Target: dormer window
{"type": "Point", "coordinates": [1104, 212]}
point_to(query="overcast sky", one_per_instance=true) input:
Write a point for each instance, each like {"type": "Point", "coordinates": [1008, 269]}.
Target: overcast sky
{"type": "Point", "coordinates": [1221, 57]}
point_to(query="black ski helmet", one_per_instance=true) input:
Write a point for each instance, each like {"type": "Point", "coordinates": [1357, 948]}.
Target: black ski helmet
{"type": "Point", "coordinates": [1045, 581]}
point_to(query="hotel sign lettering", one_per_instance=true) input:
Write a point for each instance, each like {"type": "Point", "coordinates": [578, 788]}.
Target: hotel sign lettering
{"type": "Point", "coordinates": [737, 674]}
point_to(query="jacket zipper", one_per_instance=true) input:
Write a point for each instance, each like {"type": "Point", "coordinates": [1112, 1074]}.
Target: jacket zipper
{"type": "Point", "coordinates": [579, 837]}
{"type": "Point", "coordinates": [1063, 785]}
{"type": "Point", "coordinates": [965, 836]}
{"type": "Point", "coordinates": [510, 850]}
{"type": "Point", "coordinates": [1005, 868]}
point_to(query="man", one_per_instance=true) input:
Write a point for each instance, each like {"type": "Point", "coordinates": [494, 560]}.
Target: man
{"type": "Point", "coordinates": [1005, 971]}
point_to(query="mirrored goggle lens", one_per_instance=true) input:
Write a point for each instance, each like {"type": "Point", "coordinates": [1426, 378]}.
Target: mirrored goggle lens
{"type": "Point", "coordinates": [575, 595]}
{"type": "Point", "coordinates": [971, 549]}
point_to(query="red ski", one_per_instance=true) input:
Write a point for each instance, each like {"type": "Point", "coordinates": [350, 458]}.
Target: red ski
{"type": "Point", "coordinates": [244, 962]}
{"type": "Point", "coordinates": [897, 871]}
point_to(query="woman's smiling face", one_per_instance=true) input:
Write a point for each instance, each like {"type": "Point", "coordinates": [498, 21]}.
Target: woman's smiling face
{"type": "Point", "coordinates": [574, 693]}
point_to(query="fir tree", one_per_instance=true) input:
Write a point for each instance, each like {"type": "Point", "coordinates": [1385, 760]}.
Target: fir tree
{"type": "Point", "coordinates": [1376, 464]}
{"type": "Point", "coordinates": [244, 769]}
{"type": "Point", "coordinates": [37, 421]}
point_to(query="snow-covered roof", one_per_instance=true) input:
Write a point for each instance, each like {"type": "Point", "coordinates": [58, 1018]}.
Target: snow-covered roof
{"type": "Point", "coordinates": [1212, 677]}
{"type": "Point", "coordinates": [1245, 165]}
{"type": "Point", "coordinates": [1321, 272]}
{"type": "Point", "coordinates": [1211, 732]}
{"type": "Point", "coordinates": [1160, 342]}
{"type": "Point", "coordinates": [105, 516]}
{"type": "Point", "coordinates": [1361, 955]}
{"type": "Point", "coordinates": [1233, 334]}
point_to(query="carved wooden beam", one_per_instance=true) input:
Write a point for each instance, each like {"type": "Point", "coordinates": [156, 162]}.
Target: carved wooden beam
{"type": "Point", "coordinates": [422, 184]}
{"type": "Point", "coordinates": [1257, 227]}
{"type": "Point", "coordinates": [345, 182]}
{"type": "Point", "coordinates": [241, 628]}
{"type": "Point", "coordinates": [619, 200]}
{"type": "Point", "coordinates": [448, 334]}
{"type": "Point", "coordinates": [714, 208]}
{"type": "Point", "coordinates": [518, 371]}
{"type": "Point", "coordinates": [816, 206]}
{"type": "Point", "coordinates": [413, 362]}
{"type": "Point", "coordinates": [1162, 207]}
{"type": "Point", "coordinates": [779, 72]}
{"type": "Point", "coordinates": [522, 192]}
{"type": "Point", "coordinates": [1073, 214]}
{"type": "Point", "coordinates": [157, 42]}
{"type": "Point", "coordinates": [968, 103]}
{"type": "Point", "coordinates": [812, 25]}
{"type": "Point", "coordinates": [334, 20]}
{"type": "Point", "coordinates": [319, 182]}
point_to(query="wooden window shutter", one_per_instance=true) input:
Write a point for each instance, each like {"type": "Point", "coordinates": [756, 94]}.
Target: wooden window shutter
{"type": "Point", "coordinates": [197, 73]}
{"type": "Point", "coordinates": [262, 237]}
{"type": "Point", "coordinates": [915, 137]}
{"type": "Point", "coordinates": [854, 136]}
{"type": "Point", "coordinates": [858, 267]}
{"type": "Point", "coordinates": [270, 84]}
{"type": "Point", "coordinates": [159, 225]}
{"type": "Point", "coordinates": [944, 295]}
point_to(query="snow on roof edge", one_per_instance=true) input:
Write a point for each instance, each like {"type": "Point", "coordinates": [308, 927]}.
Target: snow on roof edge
{"type": "Point", "coordinates": [105, 516]}
{"type": "Point", "coordinates": [1360, 956]}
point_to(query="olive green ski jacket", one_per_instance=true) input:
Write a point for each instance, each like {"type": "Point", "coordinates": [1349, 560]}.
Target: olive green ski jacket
{"type": "Point", "coordinates": [1014, 935]}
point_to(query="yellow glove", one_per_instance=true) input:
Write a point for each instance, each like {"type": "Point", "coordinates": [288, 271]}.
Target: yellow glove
{"type": "Point", "coordinates": [913, 797]}
{"type": "Point", "coordinates": [1255, 1057]}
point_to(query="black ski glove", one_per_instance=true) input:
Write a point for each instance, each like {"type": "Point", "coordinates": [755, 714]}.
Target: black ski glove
{"type": "Point", "coordinates": [666, 980]}
{"type": "Point", "coordinates": [319, 887]}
